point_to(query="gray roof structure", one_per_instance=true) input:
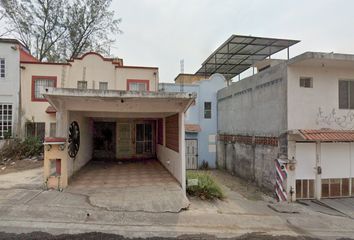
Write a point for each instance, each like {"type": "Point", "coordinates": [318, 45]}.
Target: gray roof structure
{"type": "Point", "coordinates": [239, 53]}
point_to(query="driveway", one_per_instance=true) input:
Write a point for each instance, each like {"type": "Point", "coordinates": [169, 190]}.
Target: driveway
{"type": "Point", "coordinates": [129, 186]}
{"type": "Point", "coordinates": [28, 179]}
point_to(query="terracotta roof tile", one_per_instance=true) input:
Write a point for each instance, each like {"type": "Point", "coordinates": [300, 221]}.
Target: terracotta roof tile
{"type": "Point", "coordinates": [192, 128]}
{"type": "Point", "coordinates": [328, 135]}
{"type": "Point", "coordinates": [50, 109]}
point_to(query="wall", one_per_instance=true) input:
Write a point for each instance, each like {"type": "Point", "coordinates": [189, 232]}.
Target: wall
{"type": "Point", "coordinates": [85, 151]}
{"type": "Point", "coordinates": [10, 86]}
{"type": "Point", "coordinates": [255, 105]}
{"type": "Point", "coordinates": [253, 162]}
{"type": "Point", "coordinates": [318, 107]}
{"type": "Point", "coordinates": [206, 90]}
{"type": "Point", "coordinates": [35, 111]}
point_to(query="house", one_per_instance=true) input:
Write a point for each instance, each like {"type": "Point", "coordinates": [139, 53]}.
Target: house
{"type": "Point", "coordinates": [98, 108]}
{"type": "Point", "coordinates": [200, 118]}
{"type": "Point", "coordinates": [11, 53]}
{"type": "Point", "coordinates": [290, 126]}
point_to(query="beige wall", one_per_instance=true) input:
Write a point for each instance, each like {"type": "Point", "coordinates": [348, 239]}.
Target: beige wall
{"type": "Point", "coordinates": [91, 68]}
{"type": "Point", "coordinates": [312, 108]}
{"type": "Point", "coordinates": [35, 111]}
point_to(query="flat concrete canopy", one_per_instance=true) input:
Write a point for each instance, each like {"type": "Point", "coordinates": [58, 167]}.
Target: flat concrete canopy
{"type": "Point", "coordinates": [118, 101]}
{"type": "Point", "coordinates": [129, 186]}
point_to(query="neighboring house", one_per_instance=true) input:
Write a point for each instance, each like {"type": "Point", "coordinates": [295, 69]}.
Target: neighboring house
{"type": "Point", "coordinates": [11, 53]}
{"type": "Point", "coordinates": [117, 110]}
{"type": "Point", "coordinates": [300, 112]}
{"type": "Point", "coordinates": [200, 119]}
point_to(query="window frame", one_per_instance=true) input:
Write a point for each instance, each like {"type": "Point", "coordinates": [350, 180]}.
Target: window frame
{"type": "Point", "coordinates": [99, 85]}
{"type": "Point", "coordinates": [4, 77]}
{"type": "Point", "coordinates": [37, 78]}
{"type": "Point", "coordinates": [304, 79]}
{"type": "Point", "coordinates": [2, 119]}
{"type": "Point", "coordinates": [79, 82]}
{"type": "Point", "coordinates": [147, 83]}
{"type": "Point", "coordinates": [349, 95]}
{"type": "Point", "coordinates": [36, 129]}
{"type": "Point", "coordinates": [208, 110]}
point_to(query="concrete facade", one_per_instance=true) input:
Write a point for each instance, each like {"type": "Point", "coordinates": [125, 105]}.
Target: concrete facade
{"type": "Point", "coordinates": [206, 90]}
{"type": "Point", "coordinates": [11, 52]}
{"type": "Point", "coordinates": [273, 105]}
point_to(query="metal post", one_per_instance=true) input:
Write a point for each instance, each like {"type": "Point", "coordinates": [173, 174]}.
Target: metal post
{"type": "Point", "coordinates": [318, 185]}
{"type": "Point", "coordinates": [288, 53]}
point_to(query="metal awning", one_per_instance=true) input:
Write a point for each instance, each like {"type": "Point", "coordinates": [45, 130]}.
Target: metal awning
{"type": "Point", "coordinates": [239, 53]}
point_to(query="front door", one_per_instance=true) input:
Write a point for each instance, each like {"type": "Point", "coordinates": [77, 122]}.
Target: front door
{"type": "Point", "coordinates": [191, 154]}
{"type": "Point", "coordinates": [124, 140]}
{"type": "Point", "coordinates": [144, 139]}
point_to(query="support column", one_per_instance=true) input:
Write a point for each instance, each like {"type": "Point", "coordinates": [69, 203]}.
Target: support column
{"type": "Point", "coordinates": [318, 183]}
{"type": "Point", "coordinates": [291, 180]}
{"type": "Point", "coordinates": [182, 149]}
{"type": "Point", "coordinates": [62, 118]}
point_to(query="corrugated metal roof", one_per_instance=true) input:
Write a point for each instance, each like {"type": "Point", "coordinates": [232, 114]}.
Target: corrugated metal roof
{"type": "Point", "coordinates": [327, 135]}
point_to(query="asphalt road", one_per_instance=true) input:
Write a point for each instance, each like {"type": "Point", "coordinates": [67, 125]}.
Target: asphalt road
{"type": "Point", "coordinates": [104, 236]}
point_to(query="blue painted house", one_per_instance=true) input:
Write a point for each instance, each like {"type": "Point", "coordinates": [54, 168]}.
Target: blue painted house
{"type": "Point", "coordinates": [200, 119]}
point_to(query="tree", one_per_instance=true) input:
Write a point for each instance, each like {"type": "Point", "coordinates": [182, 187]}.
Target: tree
{"type": "Point", "coordinates": [55, 30]}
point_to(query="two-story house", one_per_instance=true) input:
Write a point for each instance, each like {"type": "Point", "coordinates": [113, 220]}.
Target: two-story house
{"type": "Point", "coordinates": [201, 117]}
{"type": "Point", "coordinates": [115, 112]}
{"type": "Point", "coordinates": [11, 53]}
{"type": "Point", "coordinates": [298, 111]}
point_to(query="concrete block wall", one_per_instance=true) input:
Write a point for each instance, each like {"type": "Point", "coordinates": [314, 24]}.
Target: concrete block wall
{"type": "Point", "coordinates": [253, 162]}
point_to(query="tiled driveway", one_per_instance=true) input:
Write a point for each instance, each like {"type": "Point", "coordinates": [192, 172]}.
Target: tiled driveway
{"type": "Point", "coordinates": [129, 186]}
{"type": "Point", "coordinates": [112, 175]}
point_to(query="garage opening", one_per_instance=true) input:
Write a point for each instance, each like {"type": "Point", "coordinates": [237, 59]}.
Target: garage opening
{"type": "Point", "coordinates": [104, 140]}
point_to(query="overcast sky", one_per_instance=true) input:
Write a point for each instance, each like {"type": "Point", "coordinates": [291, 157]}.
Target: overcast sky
{"type": "Point", "coordinates": [162, 32]}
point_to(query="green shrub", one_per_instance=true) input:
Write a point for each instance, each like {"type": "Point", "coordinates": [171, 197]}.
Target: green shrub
{"type": "Point", "coordinates": [207, 188]}
{"type": "Point", "coordinates": [17, 148]}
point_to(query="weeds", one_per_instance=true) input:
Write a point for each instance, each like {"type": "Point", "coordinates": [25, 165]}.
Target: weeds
{"type": "Point", "coordinates": [17, 148]}
{"type": "Point", "coordinates": [206, 188]}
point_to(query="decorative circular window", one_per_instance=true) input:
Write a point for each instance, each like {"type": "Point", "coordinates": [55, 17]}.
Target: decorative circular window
{"type": "Point", "coordinates": [74, 139]}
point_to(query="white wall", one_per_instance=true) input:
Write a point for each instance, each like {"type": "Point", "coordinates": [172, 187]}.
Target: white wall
{"type": "Point", "coordinates": [10, 85]}
{"type": "Point", "coordinates": [304, 104]}
{"type": "Point", "coordinates": [171, 161]}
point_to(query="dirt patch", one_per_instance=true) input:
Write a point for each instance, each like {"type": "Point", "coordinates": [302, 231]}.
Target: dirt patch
{"type": "Point", "coordinates": [104, 236]}
{"type": "Point", "coordinates": [247, 189]}
{"type": "Point", "coordinates": [11, 166]}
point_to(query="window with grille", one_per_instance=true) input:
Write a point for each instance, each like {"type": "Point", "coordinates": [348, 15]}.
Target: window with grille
{"type": "Point", "coordinates": [5, 120]}
{"type": "Point", "coordinates": [346, 94]}
{"type": "Point", "coordinates": [81, 84]}
{"type": "Point", "coordinates": [306, 82]}
{"type": "Point", "coordinates": [39, 83]}
{"type": "Point", "coordinates": [35, 129]}
{"type": "Point", "coordinates": [207, 110]}
{"type": "Point", "coordinates": [103, 86]}
{"type": "Point", "coordinates": [138, 85]}
{"type": "Point", "coordinates": [2, 67]}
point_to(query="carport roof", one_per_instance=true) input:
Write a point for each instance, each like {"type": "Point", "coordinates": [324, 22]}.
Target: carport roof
{"type": "Point", "coordinates": [327, 135]}
{"type": "Point", "coordinates": [240, 52]}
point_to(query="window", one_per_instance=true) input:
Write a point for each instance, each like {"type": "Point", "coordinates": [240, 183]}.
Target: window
{"type": "Point", "coordinates": [5, 120]}
{"type": "Point", "coordinates": [137, 85]}
{"type": "Point", "coordinates": [52, 130]}
{"type": "Point", "coordinates": [346, 94]}
{"type": "Point", "coordinates": [103, 86]}
{"type": "Point", "coordinates": [39, 82]}
{"type": "Point", "coordinates": [306, 82]}
{"type": "Point", "coordinates": [2, 67]}
{"type": "Point", "coordinates": [35, 129]}
{"type": "Point", "coordinates": [81, 84]}
{"type": "Point", "coordinates": [207, 110]}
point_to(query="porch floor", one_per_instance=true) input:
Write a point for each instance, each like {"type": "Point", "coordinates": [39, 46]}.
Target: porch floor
{"type": "Point", "coordinates": [129, 186]}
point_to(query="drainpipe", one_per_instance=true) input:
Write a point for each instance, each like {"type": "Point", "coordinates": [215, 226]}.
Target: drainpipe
{"type": "Point", "coordinates": [318, 169]}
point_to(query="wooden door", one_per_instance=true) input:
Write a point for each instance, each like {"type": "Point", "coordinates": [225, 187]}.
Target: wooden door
{"type": "Point", "coordinates": [124, 140]}
{"type": "Point", "coordinates": [191, 154]}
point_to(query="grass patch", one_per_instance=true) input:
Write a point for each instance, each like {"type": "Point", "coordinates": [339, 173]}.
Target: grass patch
{"type": "Point", "coordinates": [206, 188]}
{"type": "Point", "coordinates": [17, 148]}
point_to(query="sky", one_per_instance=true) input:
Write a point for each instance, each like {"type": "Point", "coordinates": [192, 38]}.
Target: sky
{"type": "Point", "coordinates": [162, 32]}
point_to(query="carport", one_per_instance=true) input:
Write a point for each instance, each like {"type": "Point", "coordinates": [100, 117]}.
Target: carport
{"type": "Point", "coordinates": [149, 126]}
